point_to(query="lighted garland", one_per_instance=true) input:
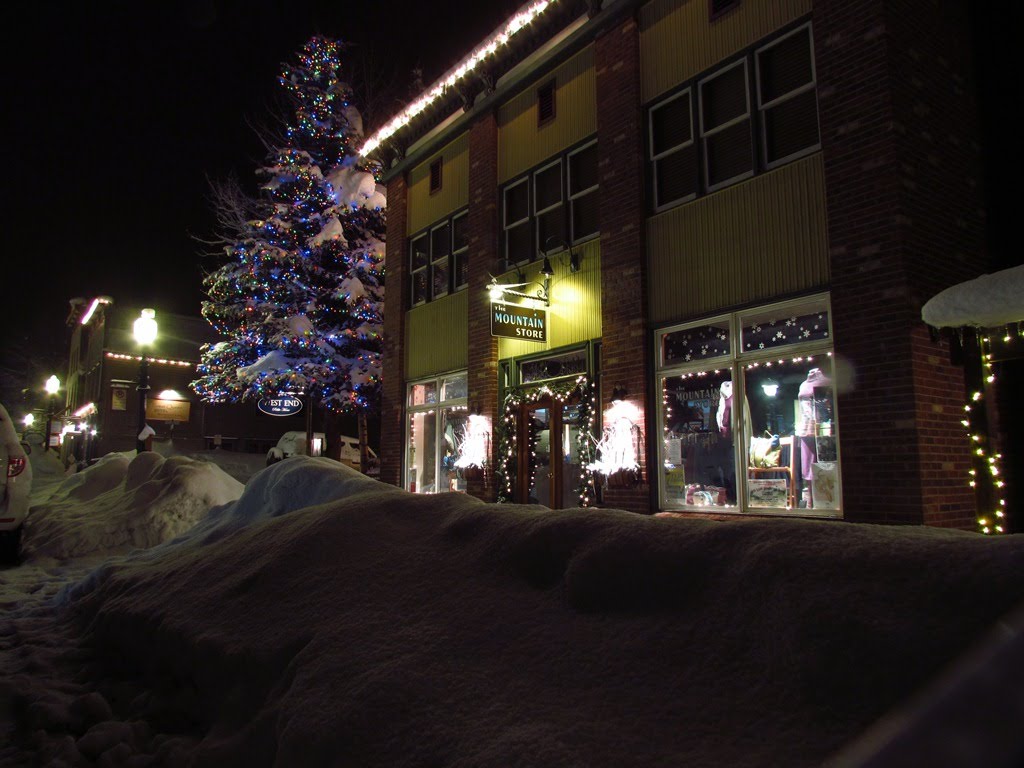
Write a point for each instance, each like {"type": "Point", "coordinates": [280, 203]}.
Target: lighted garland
{"type": "Point", "coordinates": [506, 470]}
{"type": "Point", "coordinates": [985, 467]}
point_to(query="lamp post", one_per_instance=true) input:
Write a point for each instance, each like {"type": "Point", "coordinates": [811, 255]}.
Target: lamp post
{"type": "Point", "coordinates": [29, 420]}
{"type": "Point", "coordinates": [52, 386]}
{"type": "Point", "coordinates": [145, 333]}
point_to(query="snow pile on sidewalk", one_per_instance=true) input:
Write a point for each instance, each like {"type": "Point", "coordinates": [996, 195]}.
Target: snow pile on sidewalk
{"type": "Point", "coordinates": [327, 619]}
{"type": "Point", "coordinates": [123, 503]}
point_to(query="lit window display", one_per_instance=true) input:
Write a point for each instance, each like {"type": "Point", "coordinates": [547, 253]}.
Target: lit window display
{"type": "Point", "coordinates": [437, 427]}
{"type": "Point", "coordinates": [748, 413]}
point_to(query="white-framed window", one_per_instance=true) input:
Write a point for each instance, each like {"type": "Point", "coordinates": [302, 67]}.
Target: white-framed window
{"type": "Point", "coordinates": [551, 206]}
{"type": "Point", "coordinates": [700, 137]}
{"type": "Point", "coordinates": [439, 259]}
{"type": "Point", "coordinates": [725, 126]}
{"type": "Point", "coordinates": [787, 97]}
{"type": "Point", "coordinates": [436, 418]}
{"type": "Point", "coordinates": [672, 150]}
{"type": "Point", "coordinates": [748, 418]}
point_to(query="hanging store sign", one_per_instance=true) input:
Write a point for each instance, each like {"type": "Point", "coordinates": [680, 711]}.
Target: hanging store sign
{"type": "Point", "coordinates": [514, 322]}
{"type": "Point", "coordinates": [280, 406]}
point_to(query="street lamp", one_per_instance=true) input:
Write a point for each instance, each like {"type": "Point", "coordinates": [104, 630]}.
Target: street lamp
{"type": "Point", "coordinates": [29, 420]}
{"type": "Point", "coordinates": [145, 333]}
{"type": "Point", "coordinates": [52, 386]}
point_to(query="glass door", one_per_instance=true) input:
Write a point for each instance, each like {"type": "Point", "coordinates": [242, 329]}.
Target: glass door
{"type": "Point", "coordinates": [549, 460]}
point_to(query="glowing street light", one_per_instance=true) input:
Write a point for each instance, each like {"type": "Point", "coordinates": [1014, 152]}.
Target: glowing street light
{"type": "Point", "coordinates": [52, 387]}
{"type": "Point", "coordinates": [144, 331]}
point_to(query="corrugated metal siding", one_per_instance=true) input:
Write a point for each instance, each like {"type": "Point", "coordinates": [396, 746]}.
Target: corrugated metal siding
{"type": "Point", "coordinates": [575, 311]}
{"type": "Point", "coordinates": [521, 144]}
{"type": "Point", "coordinates": [677, 42]}
{"type": "Point", "coordinates": [426, 208]}
{"type": "Point", "coordinates": [437, 336]}
{"type": "Point", "coordinates": [754, 241]}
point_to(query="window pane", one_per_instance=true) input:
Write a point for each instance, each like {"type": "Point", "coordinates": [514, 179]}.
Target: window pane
{"type": "Point", "coordinates": [671, 124]}
{"type": "Point", "coordinates": [517, 202]}
{"type": "Point", "coordinates": [440, 242]}
{"type": "Point", "coordinates": [440, 282]}
{"type": "Point", "coordinates": [548, 184]}
{"type": "Point", "coordinates": [422, 453]}
{"type": "Point", "coordinates": [455, 387]}
{"type": "Point", "coordinates": [453, 433]}
{"type": "Point", "coordinates": [791, 126]}
{"type": "Point", "coordinates": [420, 252]}
{"type": "Point", "coordinates": [771, 329]}
{"type": "Point", "coordinates": [791, 453]}
{"type": "Point", "coordinates": [519, 244]}
{"type": "Point", "coordinates": [584, 216]}
{"type": "Point", "coordinates": [583, 169]}
{"type": "Point", "coordinates": [786, 66]}
{"type": "Point", "coordinates": [419, 286]}
{"type": "Point", "coordinates": [698, 460]}
{"type": "Point", "coordinates": [550, 227]}
{"type": "Point", "coordinates": [703, 342]}
{"type": "Point", "coordinates": [553, 367]}
{"type": "Point", "coordinates": [675, 176]}
{"type": "Point", "coordinates": [461, 269]}
{"type": "Point", "coordinates": [461, 232]}
{"type": "Point", "coordinates": [729, 153]}
{"type": "Point", "coordinates": [423, 394]}
{"type": "Point", "coordinates": [724, 97]}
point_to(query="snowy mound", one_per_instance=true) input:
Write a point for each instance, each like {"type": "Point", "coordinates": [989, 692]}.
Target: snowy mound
{"type": "Point", "coordinates": [382, 628]}
{"type": "Point", "coordinates": [123, 503]}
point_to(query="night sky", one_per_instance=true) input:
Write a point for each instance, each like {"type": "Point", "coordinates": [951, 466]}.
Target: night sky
{"type": "Point", "coordinates": [122, 111]}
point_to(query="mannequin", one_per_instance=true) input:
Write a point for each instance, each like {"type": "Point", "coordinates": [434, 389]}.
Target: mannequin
{"type": "Point", "coordinates": [724, 415]}
{"type": "Point", "coordinates": [806, 427]}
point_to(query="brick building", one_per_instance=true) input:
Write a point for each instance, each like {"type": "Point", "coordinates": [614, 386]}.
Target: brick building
{"type": "Point", "coordinates": [668, 229]}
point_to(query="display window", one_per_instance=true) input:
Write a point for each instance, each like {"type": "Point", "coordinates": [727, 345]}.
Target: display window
{"type": "Point", "coordinates": [436, 426]}
{"type": "Point", "coordinates": [748, 416]}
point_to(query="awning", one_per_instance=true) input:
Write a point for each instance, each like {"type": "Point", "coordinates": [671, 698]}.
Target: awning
{"type": "Point", "coordinates": [989, 301]}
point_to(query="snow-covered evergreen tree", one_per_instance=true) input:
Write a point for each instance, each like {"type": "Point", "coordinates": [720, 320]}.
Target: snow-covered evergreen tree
{"type": "Point", "coordinates": [300, 297]}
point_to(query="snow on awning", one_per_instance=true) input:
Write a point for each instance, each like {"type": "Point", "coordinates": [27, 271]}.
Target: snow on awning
{"type": "Point", "coordinates": [988, 301]}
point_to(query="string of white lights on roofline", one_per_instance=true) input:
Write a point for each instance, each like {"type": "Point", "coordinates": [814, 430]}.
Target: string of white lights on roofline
{"type": "Point", "coordinates": [486, 49]}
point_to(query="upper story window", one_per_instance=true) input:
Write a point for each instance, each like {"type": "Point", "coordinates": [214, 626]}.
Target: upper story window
{"type": "Point", "coordinates": [553, 205]}
{"type": "Point", "coordinates": [702, 137]}
{"type": "Point", "coordinates": [435, 176]}
{"type": "Point", "coordinates": [717, 7]}
{"type": "Point", "coordinates": [439, 260]}
{"type": "Point", "coordinates": [546, 103]}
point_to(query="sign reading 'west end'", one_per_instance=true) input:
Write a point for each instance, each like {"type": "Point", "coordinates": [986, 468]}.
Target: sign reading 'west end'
{"type": "Point", "coordinates": [280, 406]}
{"type": "Point", "coordinates": [513, 322]}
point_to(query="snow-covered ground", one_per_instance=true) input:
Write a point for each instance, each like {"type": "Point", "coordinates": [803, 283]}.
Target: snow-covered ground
{"type": "Point", "coordinates": [317, 617]}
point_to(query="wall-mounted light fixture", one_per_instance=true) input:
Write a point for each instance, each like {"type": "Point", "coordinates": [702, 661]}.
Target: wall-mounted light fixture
{"type": "Point", "coordinates": [619, 394]}
{"type": "Point", "coordinates": [770, 388]}
{"type": "Point", "coordinates": [498, 292]}
{"type": "Point", "coordinates": [574, 257]}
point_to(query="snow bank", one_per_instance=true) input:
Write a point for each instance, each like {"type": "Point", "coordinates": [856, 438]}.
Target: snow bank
{"type": "Point", "coordinates": [123, 503]}
{"type": "Point", "coordinates": [326, 619]}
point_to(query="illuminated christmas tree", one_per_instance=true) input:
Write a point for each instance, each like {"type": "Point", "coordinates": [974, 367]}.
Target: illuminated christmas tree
{"type": "Point", "coordinates": [299, 300]}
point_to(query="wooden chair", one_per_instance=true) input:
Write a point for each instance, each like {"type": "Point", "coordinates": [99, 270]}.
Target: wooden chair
{"type": "Point", "coordinates": [785, 469]}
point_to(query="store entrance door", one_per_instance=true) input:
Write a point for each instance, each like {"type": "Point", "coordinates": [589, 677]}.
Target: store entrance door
{"type": "Point", "coordinates": [549, 463]}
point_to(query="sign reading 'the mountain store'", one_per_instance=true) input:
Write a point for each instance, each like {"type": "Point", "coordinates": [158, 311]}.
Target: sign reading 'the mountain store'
{"type": "Point", "coordinates": [512, 322]}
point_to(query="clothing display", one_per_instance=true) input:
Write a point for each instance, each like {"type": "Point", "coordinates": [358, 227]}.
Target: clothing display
{"type": "Point", "coordinates": [724, 416]}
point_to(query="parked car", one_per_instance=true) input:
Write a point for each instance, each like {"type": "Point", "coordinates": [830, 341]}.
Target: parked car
{"type": "Point", "coordinates": [15, 489]}
{"type": "Point", "coordinates": [350, 455]}
{"type": "Point", "coordinates": [294, 444]}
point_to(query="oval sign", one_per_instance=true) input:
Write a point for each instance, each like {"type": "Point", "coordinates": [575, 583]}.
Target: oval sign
{"type": "Point", "coordinates": [280, 406]}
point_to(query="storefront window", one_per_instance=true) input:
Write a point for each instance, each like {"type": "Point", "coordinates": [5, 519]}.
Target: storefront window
{"type": "Point", "coordinates": [435, 430]}
{"type": "Point", "coordinates": [756, 430]}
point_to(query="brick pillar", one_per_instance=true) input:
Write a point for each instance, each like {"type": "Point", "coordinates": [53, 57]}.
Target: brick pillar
{"type": "Point", "coordinates": [392, 426]}
{"type": "Point", "coordinates": [625, 348]}
{"type": "Point", "coordinates": [901, 170]}
{"type": "Point", "coordinates": [482, 224]}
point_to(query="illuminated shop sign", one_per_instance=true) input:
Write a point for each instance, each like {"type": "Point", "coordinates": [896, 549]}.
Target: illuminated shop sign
{"type": "Point", "coordinates": [525, 323]}
{"type": "Point", "coordinates": [280, 406]}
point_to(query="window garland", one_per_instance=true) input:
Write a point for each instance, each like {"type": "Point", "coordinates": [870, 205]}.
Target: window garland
{"type": "Point", "coordinates": [560, 392]}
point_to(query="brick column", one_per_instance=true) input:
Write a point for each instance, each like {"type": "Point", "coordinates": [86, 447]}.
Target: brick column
{"type": "Point", "coordinates": [482, 224]}
{"type": "Point", "coordinates": [392, 426]}
{"type": "Point", "coordinates": [625, 348]}
{"type": "Point", "coordinates": [901, 170]}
